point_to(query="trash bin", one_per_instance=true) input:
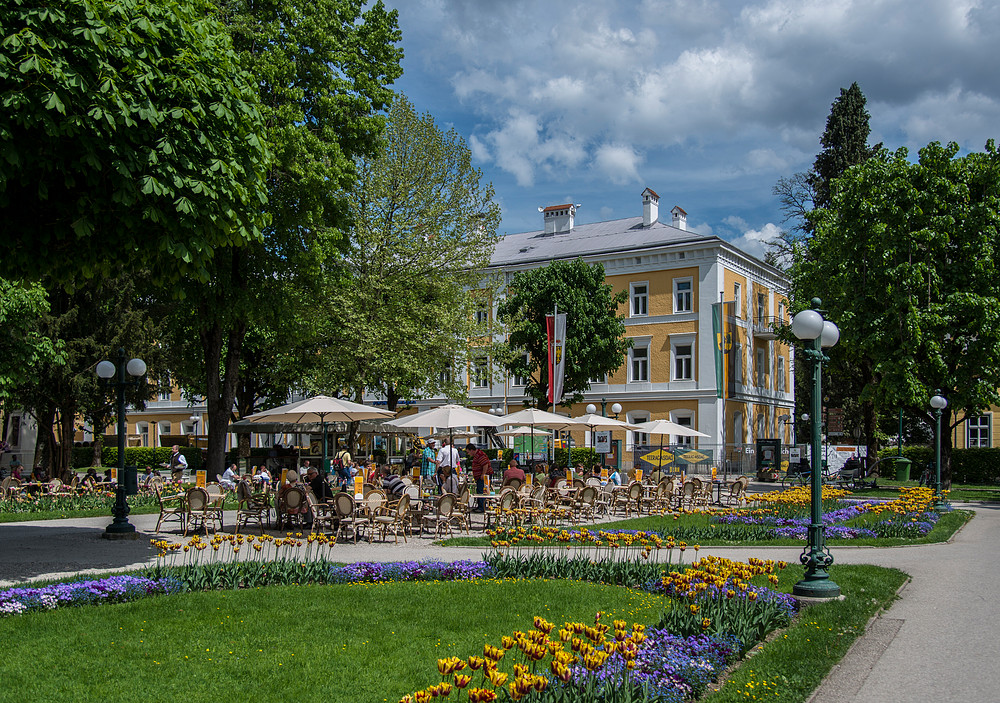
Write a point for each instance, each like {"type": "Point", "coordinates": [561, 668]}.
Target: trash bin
{"type": "Point", "coordinates": [131, 480]}
{"type": "Point", "coordinates": [902, 469]}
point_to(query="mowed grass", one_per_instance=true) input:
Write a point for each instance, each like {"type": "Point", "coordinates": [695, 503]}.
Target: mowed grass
{"type": "Point", "coordinates": [364, 642]}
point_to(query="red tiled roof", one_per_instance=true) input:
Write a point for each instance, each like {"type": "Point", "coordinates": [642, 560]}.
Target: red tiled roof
{"type": "Point", "coordinates": [679, 209]}
{"type": "Point", "coordinates": [653, 192]}
{"type": "Point", "coordinates": [550, 208]}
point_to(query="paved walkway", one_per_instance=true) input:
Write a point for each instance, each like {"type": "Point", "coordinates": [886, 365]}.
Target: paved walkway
{"type": "Point", "coordinates": [938, 642]}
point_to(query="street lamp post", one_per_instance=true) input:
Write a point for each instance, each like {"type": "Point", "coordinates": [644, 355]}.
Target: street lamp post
{"type": "Point", "coordinates": [938, 403]}
{"type": "Point", "coordinates": [120, 527]}
{"type": "Point", "coordinates": [809, 325]}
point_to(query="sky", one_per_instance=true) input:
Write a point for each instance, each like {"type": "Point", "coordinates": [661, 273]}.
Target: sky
{"type": "Point", "coordinates": [707, 102]}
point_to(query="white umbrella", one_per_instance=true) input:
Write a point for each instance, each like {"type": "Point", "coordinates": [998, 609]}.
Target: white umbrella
{"type": "Point", "coordinates": [666, 427]}
{"type": "Point", "coordinates": [522, 432]}
{"type": "Point", "coordinates": [449, 416]}
{"type": "Point", "coordinates": [322, 409]}
{"type": "Point", "coordinates": [540, 418]}
{"type": "Point", "coordinates": [594, 421]}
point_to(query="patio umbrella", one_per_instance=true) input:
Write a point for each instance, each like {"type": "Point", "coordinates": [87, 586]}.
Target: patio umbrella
{"type": "Point", "coordinates": [594, 421]}
{"type": "Point", "coordinates": [448, 417]}
{"type": "Point", "coordinates": [533, 417]}
{"type": "Point", "coordinates": [666, 427]}
{"type": "Point", "coordinates": [321, 409]}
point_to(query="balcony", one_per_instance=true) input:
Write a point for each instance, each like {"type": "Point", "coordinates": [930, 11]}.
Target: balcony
{"type": "Point", "coordinates": [766, 327]}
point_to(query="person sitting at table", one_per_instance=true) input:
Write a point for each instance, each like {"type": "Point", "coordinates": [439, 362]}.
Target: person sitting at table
{"type": "Point", "coordinates": [320, 488]}
{"type": "Point", "coordinates": [392, 484]}
{"type": "Point", "coordinates": [39, 475]}
{"type": "Point", "coordinates": [262, 476]}
{"type": "Point", "coordinates": [449, 480]}
{"type": "Point", "coordinates": [513, 472]}
{"type": "Point", "coordinates": [229, 477]}
{"type": "Point", "coordinates": [89, 481]}
{"type": "Point", "coordinates": [555, 473]}
{"type": "Point", "coordinates": [16, 467]}
{"type": "Point", "coordinates": [615, 477]}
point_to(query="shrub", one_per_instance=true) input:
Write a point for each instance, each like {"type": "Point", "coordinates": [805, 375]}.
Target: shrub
{"type": "Point", "coordinates": [975, 465]}
{"type": "Point", "coordinates": [150, 456]}
{"type": "Point", "coordinates": [586, 455]}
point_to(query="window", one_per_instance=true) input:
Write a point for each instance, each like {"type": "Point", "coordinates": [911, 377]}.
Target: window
{"type": "Point", "coordinates": [521, 380]}
{"type": "Point", "coordinates": [737, 299]}
{"type": "Point", "coordinates": [640, 299]}
{"type": "Point", "coordinates": [761, 368]}
{"type": "Point", "coordinates": [165, 390]}
{"type": "Point", "coordinates": [598, 380]}
{"type": "Point", "coordinates": [480, 374]}
{"type": "Point", "coordinates": [684, 421]}
{"type": "Point", "coordinates": [781, 374]}
{"type": "Point", "coordinates": [142, 429]}
{"type": "Point", "coordinates": [978, 431]}
{"type": "Point", "coordinates": [163, 428]}
{"type": "Point", "coordinates": [737, 362]}
{"type": "Point", "coordinates": [761, 306]}
{"type": "Point", "coordinates": [781, 311]}
{"type": "Point", "coordinates": [640, 364]}
{"type": "Point", "coordinates": [444, 378]}
{"type": "Point", "coordinates": [637, 439]}
{"type": "Point", "coordinates": [683, 355]}
{"type": "Point", "coordinates": [682, 295]}
{"type": "Point", "coordinates": [482, 315]}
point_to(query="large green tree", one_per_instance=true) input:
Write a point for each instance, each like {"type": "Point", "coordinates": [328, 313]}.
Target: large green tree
{"type": "Point", "coordinates": [906, 261]}
{"type": "Point", "coordinates": [128, 136]}
{"type": "Point", "coordinates": [322, 68]}
{"type": "Point", "coordinates": [24, 345]}
{"type": "Point", "coordinates": [595, 330]}
{"type": "Point", "coordinates": [403, 296]}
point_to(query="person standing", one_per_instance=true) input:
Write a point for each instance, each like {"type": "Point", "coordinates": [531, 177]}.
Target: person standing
{"type": "Point", "coordinates": [428, 463]}
{"type": "Point", "coordinates": [482, 469]}
{"type": "Point", "coordinates": [177, 463]}
{"type": "Point", "coordinates": [447, 458]}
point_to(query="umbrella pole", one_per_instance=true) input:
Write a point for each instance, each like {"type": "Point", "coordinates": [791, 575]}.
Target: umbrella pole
{"type": "Point", "coordinates": [659, 456]}
{"type": "Point", "coordinates": [322, 421]}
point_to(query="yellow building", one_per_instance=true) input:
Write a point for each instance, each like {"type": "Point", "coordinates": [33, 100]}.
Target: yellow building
{"type": "Point", "coordinates": [673, 276]}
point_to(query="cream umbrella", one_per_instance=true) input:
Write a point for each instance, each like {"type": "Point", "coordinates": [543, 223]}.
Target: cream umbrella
{"type": "Point", "coordinates": [449, 417]}
{"type": "Point", "coordinates": [533, 417]}
{"type": "Point", "coordinates": [321, 409]}
{"type": "Point", "coordinates": [595, 421]}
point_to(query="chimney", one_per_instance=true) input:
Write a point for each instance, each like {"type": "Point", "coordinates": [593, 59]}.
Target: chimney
{"type": "Point", "coordinates": [650, 207]}
{"type": "Point", "coordinates": [680, 219]}
{"type": "Point", "coordinates": [558, 218]}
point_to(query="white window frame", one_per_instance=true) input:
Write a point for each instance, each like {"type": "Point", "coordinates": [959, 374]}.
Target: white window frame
{"type": "Point", "coordinates": [482, 315]}
{"type": "Point", "coordinates": [634, 299]}
{"type": "Point", "coordinates": [761, 307]}
{"type": "Point", "coordinates": [601, 381]}
{"type": "Point", "coordinates": [761, 363]}
{"type": "Point", "coordinates": [162, 428]}
{"type": "Point", "coordinates": [737, 298]}
{"type": "Point", "coordinates": [445, 375]}
{"type": "Point", "coordinates": [737, 352]}
{"type": "Point", "coordinates": [480, 373]}
{"type": "Point", "coordinates": [634, 437]}
{"type": "Point", "coordinates": [680, 296]}
{"type": "Point", "coordinates": [520, 381]}
{"type": "Point", "coordinates": [781, 312]}
{"type": "Point", "coordinates": [142, 429]}
{"type": "Point", "coordinates": [685, 418]}
{"type": "Point", "coordinates": [974, 432]}
{"type": "Point", "coordinates": [780, 372]}
{"type": "Point", "coordinates": [675, 358]}
{"type": "Point", "coordinates": [632, 375]}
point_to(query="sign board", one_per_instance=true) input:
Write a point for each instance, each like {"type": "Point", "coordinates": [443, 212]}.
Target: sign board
{"type": "Point", "coordinates": [201, 478]}
{"type": "Point", "coordinates": [794, 455]}
{"type": "Point", "coordinates": [602, 441]}
{"type": "Point", "coordinates": [114, 475]}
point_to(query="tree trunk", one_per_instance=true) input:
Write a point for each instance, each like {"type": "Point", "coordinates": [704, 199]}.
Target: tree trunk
{"type": "Point", "coordinates": [67, 432]}
{"type": "Point", "coordinates": [45, 438]}
{"type": "Point", "coordinates": [869, 421]}
{"type": "Point", "coordinates": [96, 459]}
{"type": "Point", "coordinates": [220, 387]}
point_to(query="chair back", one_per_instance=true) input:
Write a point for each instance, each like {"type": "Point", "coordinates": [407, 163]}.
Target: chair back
{"type": "Point", "coordinates": [578, 483]}
{"type": "Point", "coordinates": [446, 505]}
{"type": "Point", "coordinates": [689, 489]}
{"type": "Point", "coordinates": [243, 492]}
{"type": "Point", "coordinates": [634, 490]}
{"type": "Point", "coordinates": [403, 507]}
{"type": "Point", "coordinates": [294, 498]}
{"type": "Point", "coordinates": [373, 501]}
{"type": "Point", "coordinates": [343, 504]}
{"type": "Point", "coordinates": [506, 501]}
{"type": "Point", "coordinates": [588, 495]}
{"type": "Point", "coordinates": [464, 495]}
{"type": "Point", "coordinates": [197, 499]}
{"type": "Point", "coordinates": [514, 483]}
{"type": "Point", "coordinates": [214, 491]}
{"type": "Point", "coordinates": [596, 482]}
{"type": "Point", "coordinates": [54, 485]}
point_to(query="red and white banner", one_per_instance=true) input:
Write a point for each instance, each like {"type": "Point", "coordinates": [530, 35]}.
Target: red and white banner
{"type": "Point", "coordinates": [555, 327]}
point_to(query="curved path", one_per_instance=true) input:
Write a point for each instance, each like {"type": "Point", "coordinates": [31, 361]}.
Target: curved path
{"type": "Point", "coordinates": [938, 642]}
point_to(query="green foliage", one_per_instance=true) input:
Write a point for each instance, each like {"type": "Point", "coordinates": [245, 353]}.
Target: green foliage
{"type": "Point", "coordinates": [617, 572]}
{"type": "Point", "coordinates": [977, 465]}
{"type": "Point", "coordinates": [402, 297]}
{"type": "Point", "coordinates": [128, 134]}
{"type": "Point", "coordinates": [585, 455]}
{"type": "Point", "coordinates": [749, 620]}
{"type": "Point", "coordinates": [147, 456]}
{"type": "Point", "coordinates": [595, 331]}
{"type": "Point", "coordinates": [24, 346]}
{"type": "Point", "coordinates": [845, 143]}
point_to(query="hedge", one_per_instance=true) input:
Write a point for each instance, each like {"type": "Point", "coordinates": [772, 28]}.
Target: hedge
{"type": "Point", "coordinates": [980, 465]}
{"type": "Point", "coordinates": [135, 456]}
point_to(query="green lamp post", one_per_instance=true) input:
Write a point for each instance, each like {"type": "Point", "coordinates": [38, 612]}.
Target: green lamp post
{"type": "Point", "coordinates": [810, 326]}
{"type": "Point", "coordinates": [938, 403]}
{"type": "Point", "coordinates": [120, 527]}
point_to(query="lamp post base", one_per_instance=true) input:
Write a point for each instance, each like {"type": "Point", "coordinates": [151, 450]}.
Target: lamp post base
{"type": "Point", "coordinates": [120, 535]}
{"type": "Point", "coordinates": [816, 587]}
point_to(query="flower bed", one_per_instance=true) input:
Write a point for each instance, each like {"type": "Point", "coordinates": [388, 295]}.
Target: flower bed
{"type": "Point", "coordinates": [114, 589]}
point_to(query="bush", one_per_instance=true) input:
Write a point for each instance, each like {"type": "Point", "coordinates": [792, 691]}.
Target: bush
{"type": "Point", "coordinates": [586, 455]}
{"type": "Point", "coordinates": [150, 456]}
{"type": "Point", "coordinates": [976, 465]}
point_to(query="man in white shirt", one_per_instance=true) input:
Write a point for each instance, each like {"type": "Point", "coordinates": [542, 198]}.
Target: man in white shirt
{"type": "Point", "coordinates": [448, 457]}
{"type": "Point", "coordinates": [229, 477]}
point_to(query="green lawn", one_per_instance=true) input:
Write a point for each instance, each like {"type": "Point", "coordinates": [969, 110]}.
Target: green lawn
{"type": "Point", "coordinates": [364, 643]}
{"type": "Point", "coordinates": [368, 642]}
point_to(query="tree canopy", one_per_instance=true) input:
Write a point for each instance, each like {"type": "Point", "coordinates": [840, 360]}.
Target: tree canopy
{"type": "Point", "coordinates": [403, 296]}
{"type": "Point", "coordinates": [906, 260]}
{"type": "Point", "coordinates": [129, 136]}
{"type": "Point", "coordinates": [595, 331]}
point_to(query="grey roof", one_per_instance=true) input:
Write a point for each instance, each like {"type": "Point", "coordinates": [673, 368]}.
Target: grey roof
{"type": "Point", "coordinates": [589, 239]}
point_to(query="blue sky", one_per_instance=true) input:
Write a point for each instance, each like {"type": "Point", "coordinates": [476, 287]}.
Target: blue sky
{"type": "Point", "coordinates": [707, 102]}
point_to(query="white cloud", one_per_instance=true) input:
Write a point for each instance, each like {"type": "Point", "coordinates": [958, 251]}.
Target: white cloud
{"type": "Point", "coordinates": [704, 229]}
{"type": "Point", "coordinates": [755, 241]}
{"type": "Point", "coordinates": [736, 222]}
{"type": "Point", "coordinates": [618, 163]}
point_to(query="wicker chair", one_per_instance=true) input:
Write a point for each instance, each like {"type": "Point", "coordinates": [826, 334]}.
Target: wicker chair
{"type": "Point", "coordinates": [217, 501]}
{"type": "Point", "coordinates": [323, 515]}
{"type": "Point", "coordinates": [174, 506]}
{"type": "Point", "coordinates": [463, 511]}
{"type": "Point", "coordinates": [292, 507]}
{"type": "Point", "coordinates": [442, 516]}
{"type": "Point", "coordinates": [585, 504]}
{"type": "Point", "coordinates": [250, 508]}
{"type": "Point", "coordinates": [659, 500]}
{"type": "Point", "coordinates": [200, 513]}
{"type": "Point", "coordinates": [736, 495]}
{"type": "Point", "coordinates": [345, 507]}
{"type": "Point", "coordinates": [627, 498]}
{"type": "Point", "coordinates": [398, 521]}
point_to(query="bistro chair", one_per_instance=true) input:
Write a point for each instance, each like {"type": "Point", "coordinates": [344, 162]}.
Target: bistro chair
{"type": "Point", "coordinates": [398, 521]}
{"type": "Point", "coordinates": [170, 506]}
{"type": "Point", "coordinates": [250, 508]}
{"type": "Point", "coordinates": [348, 520]}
